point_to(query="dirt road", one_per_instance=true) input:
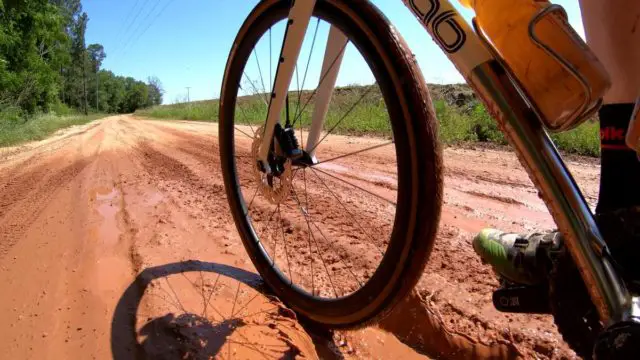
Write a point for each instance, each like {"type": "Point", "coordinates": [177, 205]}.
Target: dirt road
{"type": "Point", "coordinates": [116, 241]}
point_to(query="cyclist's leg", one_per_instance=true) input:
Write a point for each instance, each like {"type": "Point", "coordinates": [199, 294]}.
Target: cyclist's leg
{"type": "Point", "coordinates": [613, 32]}
{"type": "Point", "coordinates": [612, 29]}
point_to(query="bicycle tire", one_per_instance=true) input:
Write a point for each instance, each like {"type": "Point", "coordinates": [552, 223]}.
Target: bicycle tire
{"type": "Point", "coordinates": [418, 152]}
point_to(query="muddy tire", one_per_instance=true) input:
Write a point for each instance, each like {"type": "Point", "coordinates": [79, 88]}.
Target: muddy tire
{"type": "Point", "coordinates": [419, 193]}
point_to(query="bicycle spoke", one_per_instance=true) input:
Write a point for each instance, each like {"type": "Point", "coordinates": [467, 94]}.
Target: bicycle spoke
{"type": "Point", "coordinates": [235, 301]}
{"type": "Point", "coordinates": [262, 96]}
{"type": "Point", "coordinates": [286, 109]}
{"type": "Point", "coordinates": [252, 198]}
{"type": "Point", "coordinates": [246, 119]}
{"type": "Point", "coordinates": [299, 90]}
{"type": "Point", "coordinates": [342, 118]}
{"type": "Point", "coordinates": [255, 54]}
{"type": "Point", "coordinates": [265, 227]}
{"type": "Point", "coordinates": [168, 301]}
{"type": "Point", "coordinates": [211, 293]}
{"type": "Point", "coordinates": [195, 288]}
{"type": "Point", "coordinates": [275, 241]}
{"type": "Point", "coordinates": [352, 153]}
{"type": "Point", "coordinates": [204, 300]}
{"type": "Point", "coordinates": [297, 108]}
{"type": "Point", "coordinates": [250, 345]}
{"type": "Point", "coordinates": [335, 252]}
{"type": "Point", "coordinates": [354, 185]}
{"type": "Point", "coordinates": [247, 304]}
{"type": "Point", "coordinates": [324, 76]}
{"type": "Point", "coordinates": [307, 218]}
{"type": "Point", "coordinates": [286, 251]}
{"type": "Point", "coordinates": [244, 133]}
{"type": "Point", "coordinates": [348, 212]}
{"type": "Point", "coordinates": [313, 43]}
{"type": "Point", "coordinates": [176, 295]}
{"type": "Point", "coordinates": [256, 313]}
{"type": "Point", "coordinates": [306, 204]}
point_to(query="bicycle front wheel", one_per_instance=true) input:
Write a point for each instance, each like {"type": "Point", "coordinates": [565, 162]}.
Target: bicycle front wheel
{"type": "Point", "coordinates": [344, 238]}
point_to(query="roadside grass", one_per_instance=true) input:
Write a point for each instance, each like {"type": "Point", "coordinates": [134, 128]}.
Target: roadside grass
{"type": "Point", "coordinates": [466, 122]}
{"type": "Point", "coordinates": [16, 129]}
{"type": "Point", "coordinates": [199, 110]}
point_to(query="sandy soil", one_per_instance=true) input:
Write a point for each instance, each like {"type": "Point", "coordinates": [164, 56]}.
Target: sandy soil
{"type": "Point", "coordinates": [116, 241]}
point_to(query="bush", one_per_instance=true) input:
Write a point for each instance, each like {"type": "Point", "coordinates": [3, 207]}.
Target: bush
{"type": "Point", "coordinates": [62, 109]}
{"type": "Point", "coordinates": [485, 128]}
{"type": "Point", "coordinates": [10, 116]}
{"type": "Point", "coordinates": [583, 140]}
{"type": "Point", "coordinates": [455, 126]}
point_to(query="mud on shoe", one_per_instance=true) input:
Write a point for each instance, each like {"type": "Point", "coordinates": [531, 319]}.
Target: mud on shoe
{"type": "Point", "coordinates": [522, 263]}
{"type": "Point", "coordinates": [518, 258]}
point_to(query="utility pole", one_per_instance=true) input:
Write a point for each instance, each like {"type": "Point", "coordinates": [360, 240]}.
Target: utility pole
{"type": "Point", "coordinates": [188, 98]}
{"type": "Point", "coordinates": [97, 90]}
{"type": "Point", "coordinates": [84, 80]}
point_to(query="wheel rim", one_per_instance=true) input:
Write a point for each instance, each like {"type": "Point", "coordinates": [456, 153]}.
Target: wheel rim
{"type": "Point", "coordinates": [328, 236]}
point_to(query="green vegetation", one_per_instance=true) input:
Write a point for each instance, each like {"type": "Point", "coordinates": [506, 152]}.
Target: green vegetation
{"type": "Point", "coordinates": [46, 68]}
{"type": "Point", "coordinates": [200, 110]}
{"type": "Point", "coordinates": [39, 127]}
{"type": "Point", "coordinates": [462, 119]}
{"type": "Point", "coordinates": [583, 140]}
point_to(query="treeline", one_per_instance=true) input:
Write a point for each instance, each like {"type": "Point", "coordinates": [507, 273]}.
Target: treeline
{"type": "Point", "coordinates": [46, 65]}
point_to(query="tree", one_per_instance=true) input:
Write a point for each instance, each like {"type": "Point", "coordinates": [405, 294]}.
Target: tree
{"type": "Point", "coordinates": [80, 54]}
{"type": "Point", "coordinates": [31, 39]}
{"type": "Point", "coordinates": [96, 56]}
{"type": "Point", "coordinates": [155, 91]}
{"type": "Point", "coordinates": [44, 61]}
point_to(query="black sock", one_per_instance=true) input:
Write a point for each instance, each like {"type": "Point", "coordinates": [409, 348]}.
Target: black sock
{"type": "Point", "coordinates": [620, 167]}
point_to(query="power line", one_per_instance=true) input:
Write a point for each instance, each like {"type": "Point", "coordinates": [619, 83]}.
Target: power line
{"type": "Point", "coordinates": [139, 24]}
{"type": "Point", "coordinates": [152, 21]}
{"type": "Point", "coordinates": [133, 22]}
{"type": "Point", "coordinates": [137, 15]}
{"type": "Point", "coordinates": [126, 21]}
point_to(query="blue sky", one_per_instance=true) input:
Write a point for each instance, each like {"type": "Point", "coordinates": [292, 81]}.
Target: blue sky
{"type": "Point", "coordinates": [185, 43]}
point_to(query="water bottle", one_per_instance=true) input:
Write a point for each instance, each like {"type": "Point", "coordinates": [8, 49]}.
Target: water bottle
{"type": "Point", "coordinates": [554, 90]}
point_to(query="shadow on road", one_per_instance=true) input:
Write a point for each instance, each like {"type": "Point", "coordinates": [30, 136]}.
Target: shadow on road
{"type": "Point", "coordinates": [201, 310]}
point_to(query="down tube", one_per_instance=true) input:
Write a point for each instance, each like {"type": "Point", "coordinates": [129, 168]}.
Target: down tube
{"type": "Point", "coordinates": [538, 154]}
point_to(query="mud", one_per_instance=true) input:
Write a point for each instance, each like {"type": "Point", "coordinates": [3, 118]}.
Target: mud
{"type": "Point", "coordinates": [116, 242]}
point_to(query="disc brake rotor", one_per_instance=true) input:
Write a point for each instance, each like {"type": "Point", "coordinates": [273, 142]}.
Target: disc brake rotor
{"type": "Point", "coordinates": [274, 188]}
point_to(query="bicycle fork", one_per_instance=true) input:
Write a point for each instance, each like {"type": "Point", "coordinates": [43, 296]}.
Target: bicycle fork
{"type": "Point", "coordinates": [298, 22]}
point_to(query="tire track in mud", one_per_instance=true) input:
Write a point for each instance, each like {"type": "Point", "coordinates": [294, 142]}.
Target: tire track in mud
{"type": "Point", "coordinates": [17, 219]}
{"type": "Point", "coordinates": [196, 192]}
{"type": "Point", "coordinates": [18, 187]}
